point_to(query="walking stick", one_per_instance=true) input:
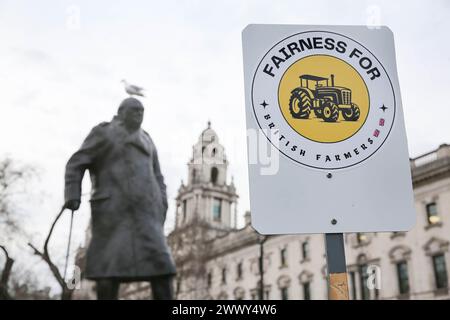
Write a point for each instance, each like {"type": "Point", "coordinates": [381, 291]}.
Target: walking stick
{"type": "Point", "coordinates": [68, 245]}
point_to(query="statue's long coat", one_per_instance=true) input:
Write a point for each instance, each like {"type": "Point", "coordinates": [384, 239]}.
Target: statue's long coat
{"type": "Point", "coordinates": [128, 203]}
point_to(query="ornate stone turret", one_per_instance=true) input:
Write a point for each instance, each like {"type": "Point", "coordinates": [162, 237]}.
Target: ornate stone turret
{"type": "Point", "coordinates": [207, 196]}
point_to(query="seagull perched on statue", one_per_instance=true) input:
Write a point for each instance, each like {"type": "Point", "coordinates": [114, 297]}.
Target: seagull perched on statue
{"type": "Point", "coordinates": [133, 90]}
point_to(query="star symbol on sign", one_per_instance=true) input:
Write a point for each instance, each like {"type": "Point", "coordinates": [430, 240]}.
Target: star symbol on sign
{"type": "Point", "coordinates": [264, 104]}
{"type": "Point", "coordinates": [383, 108]}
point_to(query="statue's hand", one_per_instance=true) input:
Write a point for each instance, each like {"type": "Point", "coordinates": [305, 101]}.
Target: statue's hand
{"type": "Point", "coordinates": [72, 205]}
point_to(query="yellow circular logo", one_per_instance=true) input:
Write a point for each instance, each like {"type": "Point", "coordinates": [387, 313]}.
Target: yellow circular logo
{"type": "Point", "coordinates": [323, 98]}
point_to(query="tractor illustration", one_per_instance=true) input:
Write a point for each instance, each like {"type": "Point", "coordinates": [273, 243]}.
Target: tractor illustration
{"type": "Point", "coordinates": [325, 99]}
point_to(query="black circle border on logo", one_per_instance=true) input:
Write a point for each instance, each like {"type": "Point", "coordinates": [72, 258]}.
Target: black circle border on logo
{"type": "Point", "coordinates": [365, 85]}
{"type": "Point", "coordinates": [298, 162]}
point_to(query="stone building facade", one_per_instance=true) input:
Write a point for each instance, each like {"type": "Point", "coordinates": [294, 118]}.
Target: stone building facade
{"type": "Point", "coordinates": [217, 260]}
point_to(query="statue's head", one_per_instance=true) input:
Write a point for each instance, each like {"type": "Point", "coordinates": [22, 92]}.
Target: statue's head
{"type": "Point", "coordinates": [131, 112]}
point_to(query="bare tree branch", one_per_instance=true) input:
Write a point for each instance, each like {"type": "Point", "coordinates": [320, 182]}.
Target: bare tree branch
{"type": "Point", "coordinates": [10, 177]}
{"type": "Point", "coordinates": [66, 291]}
{"type": "Point", "coordinates": [4, 295]}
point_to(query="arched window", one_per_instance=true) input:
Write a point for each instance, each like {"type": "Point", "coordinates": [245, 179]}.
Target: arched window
{"type": "Point", "coordinates": [283, 284]}
{"type": "Point", "coordinates": [214, 150]}
{"type": "Point", "coordinates": [305, 281]}
{"type": "Point", "coordinates": [214, 175]}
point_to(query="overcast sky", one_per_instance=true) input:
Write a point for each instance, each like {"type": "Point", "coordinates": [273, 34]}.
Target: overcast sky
{"type": "Point", "coordinates": [61, 63]}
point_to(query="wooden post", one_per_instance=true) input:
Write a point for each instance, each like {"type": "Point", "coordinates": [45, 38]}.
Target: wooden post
{"type": "Point", "coordinates": [337, 269]}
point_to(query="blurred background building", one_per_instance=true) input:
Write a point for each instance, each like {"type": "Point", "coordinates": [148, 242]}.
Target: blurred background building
{"type": "Point", "coordinates": [217, 260]}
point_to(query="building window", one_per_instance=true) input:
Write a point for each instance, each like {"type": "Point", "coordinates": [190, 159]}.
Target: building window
{"type": "Point", "coordinates": [184, 210]}
{"type": "Point", "coordinates": [239, 270]}
{"type": "Point", "coordinates": [402, 276]}
{"type": "Point", "coordinates": [217, 209]}
{"type": "Point", "coordinates": [306, 291]}
{"type": "Point", "coordinates": [353, 284]}
{"type": "Point", "coordinates": [440, 271]}
{"type": "Point", "coordinates": [178, 288]}
{"type": "Point", "coordinates": [224, 275]}
{"type": "Point", "coordinates": [284, 293]}
{"type": "Point", "coordinates": [209, 279]}
{"type": "Point", "coordinates": [305, 250]}
{"type": "Point", "coordinates": [259, 294]}
{"type": "Point", "coordinates": [283, 257]}
{"type": "Point", "coordinates": [432, 214]}
{"type": "Point", "coordinates": [256, 293]}
{"type": "Point", "coordinates": [363, 277]}
{"type": "Point", "coordinates": [214, 175]}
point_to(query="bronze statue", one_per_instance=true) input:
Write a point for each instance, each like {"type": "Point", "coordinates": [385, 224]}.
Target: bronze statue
{"type": "Point", "coordinates": [128, 204]}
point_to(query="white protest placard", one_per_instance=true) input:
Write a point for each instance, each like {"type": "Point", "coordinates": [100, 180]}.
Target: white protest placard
{"type": "Point", "coordinates": [327, 144]}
